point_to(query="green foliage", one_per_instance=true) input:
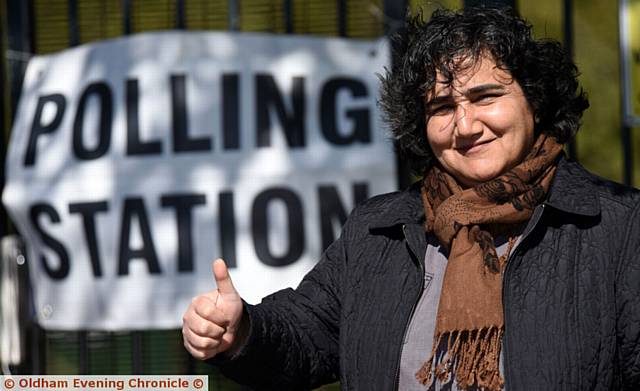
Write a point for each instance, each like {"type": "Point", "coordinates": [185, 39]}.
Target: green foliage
{"type": "Point", "coordinates": [596, 52]}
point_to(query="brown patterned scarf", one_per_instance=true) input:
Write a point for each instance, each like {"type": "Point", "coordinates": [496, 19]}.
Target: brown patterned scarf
{"type": "Point", "coordinates": [470, 313]}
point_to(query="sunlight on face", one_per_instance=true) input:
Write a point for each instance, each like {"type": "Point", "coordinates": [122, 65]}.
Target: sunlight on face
{"type": "Point", "coordinates": [481, 125]}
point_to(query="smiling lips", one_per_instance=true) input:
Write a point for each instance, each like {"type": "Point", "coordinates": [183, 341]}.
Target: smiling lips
{"type": "Point", "coordinates": [474, 147]}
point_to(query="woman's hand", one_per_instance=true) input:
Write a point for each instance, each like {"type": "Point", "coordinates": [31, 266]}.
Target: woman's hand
{"type": "Point", "coordinates": [213, 322]}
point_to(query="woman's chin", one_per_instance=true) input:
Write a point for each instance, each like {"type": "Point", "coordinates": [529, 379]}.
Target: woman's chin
{"type": "Point", "coordinates": [471, 179]}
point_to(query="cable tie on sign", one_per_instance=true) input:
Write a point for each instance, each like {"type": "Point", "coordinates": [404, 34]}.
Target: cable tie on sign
{"type": "Point", "coordinates": [15, 55]}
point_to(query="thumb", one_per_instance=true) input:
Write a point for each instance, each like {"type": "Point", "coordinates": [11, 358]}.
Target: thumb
{"type": "Point", "coordinates": [223, 279]}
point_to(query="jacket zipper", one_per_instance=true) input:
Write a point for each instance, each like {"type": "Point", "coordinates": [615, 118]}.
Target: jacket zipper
{"type": "Point", "coordinates": [529, 230]}
{"type": "Point", "coordinates": [413, 308]}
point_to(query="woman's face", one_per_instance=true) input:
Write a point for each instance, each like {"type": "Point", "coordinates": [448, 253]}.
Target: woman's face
{"type": "Point", "coordinates": [481, 126]}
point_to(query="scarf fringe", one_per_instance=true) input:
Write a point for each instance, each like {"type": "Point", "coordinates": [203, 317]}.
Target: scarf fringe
{"type": "Point", "coordinates": [472, 355]}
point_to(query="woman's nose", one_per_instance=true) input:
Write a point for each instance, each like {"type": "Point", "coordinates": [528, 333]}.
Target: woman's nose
{"type": "Point", "coordinates": [465, 121]}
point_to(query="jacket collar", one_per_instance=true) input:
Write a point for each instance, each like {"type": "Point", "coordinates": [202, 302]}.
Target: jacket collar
{"type": "Point", "coordinates": [407, 208]}
{"type": "Point", "coordinates": [572, 191]}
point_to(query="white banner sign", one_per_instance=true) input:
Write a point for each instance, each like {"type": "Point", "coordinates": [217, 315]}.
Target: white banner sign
{"type": "Point", "coordinates": [134, 163]}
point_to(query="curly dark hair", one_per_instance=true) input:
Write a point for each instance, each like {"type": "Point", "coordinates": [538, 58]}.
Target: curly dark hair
{"type": "Point", "coordinates": [443, 45]}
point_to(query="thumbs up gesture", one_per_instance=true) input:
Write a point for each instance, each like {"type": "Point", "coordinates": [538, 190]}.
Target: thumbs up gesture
{"type": "Point", "coordinates": [212, 323]}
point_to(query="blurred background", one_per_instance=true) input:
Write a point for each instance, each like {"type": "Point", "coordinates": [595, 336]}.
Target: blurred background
{"type": "Point", "coordinates": [588, 28]}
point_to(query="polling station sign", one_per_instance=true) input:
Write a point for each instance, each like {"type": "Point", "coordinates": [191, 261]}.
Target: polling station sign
{"type": "Point", "coordinates": [133, 163]}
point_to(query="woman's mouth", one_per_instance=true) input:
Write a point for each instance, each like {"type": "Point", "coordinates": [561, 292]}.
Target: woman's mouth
{"type": "Point", "coordinates": [475, 147]}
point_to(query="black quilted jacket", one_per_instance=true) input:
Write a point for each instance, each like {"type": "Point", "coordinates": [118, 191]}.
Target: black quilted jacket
{"type": "Point", "coordinates": [571, 298]}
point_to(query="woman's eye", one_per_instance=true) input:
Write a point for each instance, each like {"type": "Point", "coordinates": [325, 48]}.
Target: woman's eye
{"type": "Point", "coordinates": [487, 98]}
{"type": "Point", "coordinates": [442, 109]}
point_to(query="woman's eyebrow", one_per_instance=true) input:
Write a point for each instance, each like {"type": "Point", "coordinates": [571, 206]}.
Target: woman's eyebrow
{"type": "Point", "coordinates": [484, 88]}
{"type": "Point", "coordinates": [438, 100]}
{"type": "Point", "coordinates": [470, 92]}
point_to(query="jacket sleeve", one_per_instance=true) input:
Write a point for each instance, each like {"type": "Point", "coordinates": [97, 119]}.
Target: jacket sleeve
{"type": "Point", "coordinates": [628, 305]}
{"type": "Point", "coordinates": [293, 337]}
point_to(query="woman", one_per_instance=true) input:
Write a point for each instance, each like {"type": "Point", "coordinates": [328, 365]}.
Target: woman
{"type": "Point", "coordinates": [506, 267]}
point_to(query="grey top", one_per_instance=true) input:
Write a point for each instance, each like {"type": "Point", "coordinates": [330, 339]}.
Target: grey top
{"type": "Point", "coordinates": [418, 339]}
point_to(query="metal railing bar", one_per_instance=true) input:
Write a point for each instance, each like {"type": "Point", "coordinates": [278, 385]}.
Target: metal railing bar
{"type": "Point", "coordinates": [180, 15]}
{"type": "Point", "coordinates": [342, 17]}
{"type": "Point", "coordinates": [567, 26]}
{"type": "Point", "coordinates": [74, 32]}
{"type": "Point", "coordinates": [234, 15]}
{"type": "Point", "coordinates": [83, 353]}
{"type": "Point", "coordinates": [287, 8]}
{"type": "Point", "coordinates": [136, 352]}
{"type": "Point", "coordinates": [126, 17]}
